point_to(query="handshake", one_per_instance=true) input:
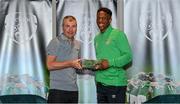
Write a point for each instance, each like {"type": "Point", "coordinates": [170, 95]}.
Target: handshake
{"type": "Point", "coordinates": [94, 64]}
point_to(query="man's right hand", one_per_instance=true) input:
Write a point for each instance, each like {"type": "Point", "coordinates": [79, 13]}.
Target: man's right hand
{"type": "Point", "coordinates": [76, 64]}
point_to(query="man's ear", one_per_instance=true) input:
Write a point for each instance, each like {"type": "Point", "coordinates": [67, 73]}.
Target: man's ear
{"type": "Point", "coordinates": [110, 19]}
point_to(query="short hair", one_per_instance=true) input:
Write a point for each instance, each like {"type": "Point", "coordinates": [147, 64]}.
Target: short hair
{"type": "Point", "coordinates": [71, 18]}
{"type": "Point", "coordinates": [108, 11]}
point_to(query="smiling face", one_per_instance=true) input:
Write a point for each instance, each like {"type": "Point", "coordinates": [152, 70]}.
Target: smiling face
{"type": "Point", "coordinates": [103, 20]}
{"type": "Point", "coordinates": [69, 27]}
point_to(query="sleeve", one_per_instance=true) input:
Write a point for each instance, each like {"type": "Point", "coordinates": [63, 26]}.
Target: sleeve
{"type": "Point", "coordinates": [125, 56]}
{"type": "Point", "coordinates": [95, 44]}
{"type": "Point", "coordinates": [52, 47]}
{"type": "Point", "coordinates": [80, 51]}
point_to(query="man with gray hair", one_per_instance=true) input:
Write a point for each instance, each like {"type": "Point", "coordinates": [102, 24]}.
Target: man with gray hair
{"type": "Point", "coordinates": [62, 62]}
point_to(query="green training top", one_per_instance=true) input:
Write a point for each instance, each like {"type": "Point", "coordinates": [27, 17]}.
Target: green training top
{"type": "Point", "coordinates": [113, 46]}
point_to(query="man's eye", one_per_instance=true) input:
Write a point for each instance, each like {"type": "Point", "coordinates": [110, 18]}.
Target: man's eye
{"type": "Point", "coordinates": [66, 26]}
{"type": "Point", "coordinates": [103, 18]}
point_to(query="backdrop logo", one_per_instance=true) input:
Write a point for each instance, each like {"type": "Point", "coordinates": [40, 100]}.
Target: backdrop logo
{"type": "Point", "coordinates": [20, 27]}
{"type": "Point", "coordinates": [86, 35]}
{"type": "Point", "coordinates": [154, 26]}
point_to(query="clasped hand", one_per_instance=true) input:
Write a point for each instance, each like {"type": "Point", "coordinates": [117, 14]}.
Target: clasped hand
{"type": "Point", "coordinates": [76, 64]}
{"type": "Point", "coordinates": [103, 64]}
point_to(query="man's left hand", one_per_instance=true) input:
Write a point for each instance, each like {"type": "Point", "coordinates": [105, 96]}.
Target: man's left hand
{"type": "Point", "coordinates": [104, 64]}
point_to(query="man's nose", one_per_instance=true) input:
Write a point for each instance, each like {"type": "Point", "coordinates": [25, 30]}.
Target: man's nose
{"type": "Point", "coordinates": [71, 29]}
{"type": "Point", "coordinates": [100, 19]}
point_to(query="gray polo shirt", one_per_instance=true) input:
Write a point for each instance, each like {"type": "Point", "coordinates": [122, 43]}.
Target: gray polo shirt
{"type": "Point", "coordinates": [64, 49]}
